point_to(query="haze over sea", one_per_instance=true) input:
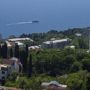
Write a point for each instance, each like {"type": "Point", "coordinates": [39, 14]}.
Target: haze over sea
{"type": "Point", "coordinates": [52, 14]}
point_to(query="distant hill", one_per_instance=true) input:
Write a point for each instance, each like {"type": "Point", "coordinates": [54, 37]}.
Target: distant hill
{"type": "Point", "coordinates": [40, 37]}
{"type": "Point", "coordinates": [83, 31]}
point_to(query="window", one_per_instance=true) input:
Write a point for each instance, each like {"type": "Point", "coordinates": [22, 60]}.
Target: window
{"type": "Point", "coordinates": [3, 78]}
{"type": "Point", "coordinates": [3, 72]}
{"type": "Point", "coordinates": [2, 68]}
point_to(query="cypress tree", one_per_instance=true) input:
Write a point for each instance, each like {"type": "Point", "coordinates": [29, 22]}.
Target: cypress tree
{"type": "Point", "coordinates": [30, 66]}
{"type": "Point", "coordinates": [11, 52]}
{"type": "Point", "coordinates": [16, 51]}
{"type": "Point", "coordinates": [4, 50]}
{"type": "Point", "coordinates": [26, 49]}
{"type": "Point", "coordinates": [23, 60]}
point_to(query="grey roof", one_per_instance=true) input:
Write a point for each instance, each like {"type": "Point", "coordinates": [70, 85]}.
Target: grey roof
{"type": "Point", "coordinates": [57, 41]}
{"type": "Point", "coordinates": [46, 84]}
{"type": "Point", "coordinates": [54, 82]}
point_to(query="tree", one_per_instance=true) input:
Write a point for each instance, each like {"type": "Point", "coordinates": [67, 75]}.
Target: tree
{"type": "Point", "coordinates": [4, 50]}
{"type": "Point", "coordinates": [77, 81]}
{"type": "Point", "coordinates": [11, 52]}
{"type": "Point", "coordinates": [86, 64]}
{"type": "Point", "coordinates": [16, 51]}
{"type": "Point", "coordinates": [88, 81]}
{"type": "Point", "coordinates": [67, 62]}
{"type": "Point", "coordinates": [76, 66]}
{"type": "Point", "coordinates": [30, 66]}
{"type": "Point", "coordinates": [82, 43]}
{"type": "Point", "coordinates": [80, 55]}
{"type": "Point", "coordinates": [26, 49]}
{"type": "Point", "coordinates": [54, 65]}
{"type": "Point", "coordinates": [23, 60]}
{"type": "Point", "coordinates": [13, 76]}
{"type": "Point", "coordinates": [68, 51]}
{"type": "Point", "coordinates": [23, 83]}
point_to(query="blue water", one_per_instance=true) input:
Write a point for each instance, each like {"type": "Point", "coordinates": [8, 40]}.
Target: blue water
{"type": "Point", "coordinates": [52, 14]}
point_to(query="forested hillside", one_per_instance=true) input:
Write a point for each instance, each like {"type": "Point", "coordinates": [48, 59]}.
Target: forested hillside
{"type": "Point", "coordinates": [67, 66]}
{"type": "Point", "coordinates": [79, 41]}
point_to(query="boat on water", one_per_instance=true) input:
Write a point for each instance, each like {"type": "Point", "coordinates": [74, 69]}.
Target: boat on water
{"type": "Point", "coordinates": [35, 21]}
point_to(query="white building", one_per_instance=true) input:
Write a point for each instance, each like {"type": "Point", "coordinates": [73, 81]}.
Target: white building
{"type": "Point", "coordinates": [78, 34]}
{"type": "Point", "coordinates": [18, 41]}
{"type": "Point", "coordinates": [4, 71]}
{"type": "Point", "coordinates": [72, 47]}
{"type": "Point", "coordinates": [34, 47]}
{"type": "Point", "coordinates": [56, 43]}
{"type": "Point", "coordinates": [8, 66]}
{"type": "Point", "coordinates": [10, 44]}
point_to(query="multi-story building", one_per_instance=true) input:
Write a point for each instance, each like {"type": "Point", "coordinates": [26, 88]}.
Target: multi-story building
{"type": "Point", "coordinates": [18, 41]}
{"type": "Point", "coordinates": [56, 43]}
{"type": "Point", "coordinates": [8, 66]}
{"type": "Point", "coordinates": [4, 71]}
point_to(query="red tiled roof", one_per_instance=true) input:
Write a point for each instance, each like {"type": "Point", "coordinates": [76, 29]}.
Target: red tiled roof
{"type": "Point", "coordinates": [9, 61]}
{"type": "Point", "coordinates": [6, 61]}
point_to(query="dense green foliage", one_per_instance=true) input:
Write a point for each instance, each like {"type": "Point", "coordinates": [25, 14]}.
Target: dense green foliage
{"type": "Point", "coordinates": [59, 61]}
{"type": "Point", "coordinates": [68, 66]}
{"type": "Point", "coordinates": [78, 41]}
{"type": "Point", "coordinates": [75, 81]}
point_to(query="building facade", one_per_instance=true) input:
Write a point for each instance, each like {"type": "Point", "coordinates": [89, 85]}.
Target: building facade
{"type": "Point", "coordinates": [8, 66]}
{"type": "Point", "coordinates": [56, 43]}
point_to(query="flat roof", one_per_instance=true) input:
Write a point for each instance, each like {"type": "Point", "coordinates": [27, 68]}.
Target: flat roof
{"type": "Point", "coordinates": [19, 39]}
{"type": "Point", "coordinates": [3, 65]}
{"type": "Point", "coordinates": [56, 41]}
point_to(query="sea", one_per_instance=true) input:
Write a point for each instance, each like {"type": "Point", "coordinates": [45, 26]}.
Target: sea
{"type": "Point", "coordinates": [16, 15]}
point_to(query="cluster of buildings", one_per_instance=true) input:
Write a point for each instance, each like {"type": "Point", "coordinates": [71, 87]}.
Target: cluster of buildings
{"type": "Point", "coordinates": [53, 43]}
{"type": "Point", "coordinates": [61, 43]}
{"type": "Point", "coordinates": [7, 66]}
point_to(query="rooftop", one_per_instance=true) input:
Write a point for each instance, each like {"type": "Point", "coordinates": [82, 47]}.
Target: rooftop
{"type": "Point", "coordinates": [3, 66]}
{"type": "Point", "coordinates": [10, 61]}
{"type": "Point", "coordinates": [57, 41]}
{"type": "Point", "coordinates": [20, 39]}
{"type": "Point", "coordinates": [34, 47]}
{"type": "Point", "coordinates": [46, 84]}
